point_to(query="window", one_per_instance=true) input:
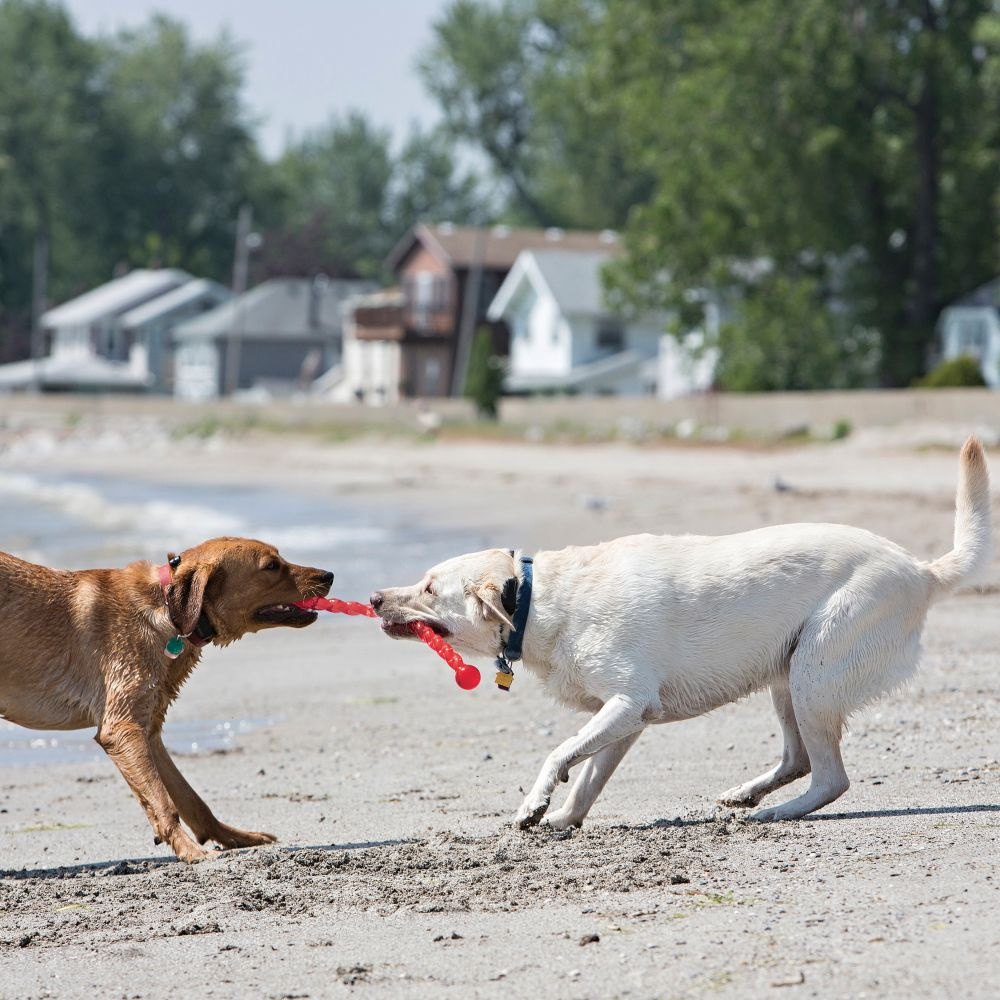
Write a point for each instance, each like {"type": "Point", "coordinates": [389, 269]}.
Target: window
{"type": "Point", "coordinates": [610, 337]}
{"type": "Point", "coordinates": [971, 336]}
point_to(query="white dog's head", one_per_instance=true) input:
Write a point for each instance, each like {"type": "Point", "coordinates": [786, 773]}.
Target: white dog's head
{"type": "Point", "coordinates": [461, 599]}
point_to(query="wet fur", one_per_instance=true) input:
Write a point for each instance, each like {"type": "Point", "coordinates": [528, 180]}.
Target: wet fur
{"type": "Point", "coordinates": [86, 648]}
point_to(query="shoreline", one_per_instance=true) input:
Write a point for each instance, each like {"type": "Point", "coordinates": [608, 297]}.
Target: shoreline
{"type": "Point", "coordinates": [397, 872]}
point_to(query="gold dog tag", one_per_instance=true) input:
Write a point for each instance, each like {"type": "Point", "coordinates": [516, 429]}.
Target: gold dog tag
{"type": "Point", "coordinates": [504, 680]}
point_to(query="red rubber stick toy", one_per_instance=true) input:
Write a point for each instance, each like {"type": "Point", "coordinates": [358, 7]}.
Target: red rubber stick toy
{"type": "Point", "coordinates": [466, 676]}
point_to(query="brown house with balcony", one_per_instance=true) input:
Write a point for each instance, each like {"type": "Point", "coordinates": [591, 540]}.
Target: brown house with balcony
{"type": "Point", "coordinates": [447, 277]}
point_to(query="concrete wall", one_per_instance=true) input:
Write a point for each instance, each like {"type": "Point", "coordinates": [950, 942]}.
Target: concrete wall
{"type": "Point", "coordinates": [774, 412]}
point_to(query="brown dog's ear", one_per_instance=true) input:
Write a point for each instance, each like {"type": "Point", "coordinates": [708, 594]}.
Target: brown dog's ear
{"type": "Point", "coordinates": [186, 594]}
{"type": "Point", "coordinates": [491, 603]}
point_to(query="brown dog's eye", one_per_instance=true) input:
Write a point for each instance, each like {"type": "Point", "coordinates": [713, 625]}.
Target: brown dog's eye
{"type": "Point", "coordinates": [273, 565]}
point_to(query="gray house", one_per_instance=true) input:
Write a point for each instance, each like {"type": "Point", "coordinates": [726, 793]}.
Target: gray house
{"type": "Point", "coordinates": [148, 328]}
{"type": "Point", "coordinates": [89, 348]}
{"type": "Point", "coordinates": [971, 326]}
{"type": "Point", "coordinates": [274, 339]}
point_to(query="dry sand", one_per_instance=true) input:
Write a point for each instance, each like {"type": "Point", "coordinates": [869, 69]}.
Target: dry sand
{"type": "Point", "coordinates": [398, 873]}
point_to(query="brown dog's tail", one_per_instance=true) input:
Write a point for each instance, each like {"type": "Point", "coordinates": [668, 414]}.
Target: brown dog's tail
{"type": "Point", "coordinates": [973, 535]}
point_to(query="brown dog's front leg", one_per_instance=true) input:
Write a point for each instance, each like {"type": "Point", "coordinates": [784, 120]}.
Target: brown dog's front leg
{"type": "Point", "coordinates": [195, 812]}
{"type": "Point", "coordinates": [127, 744]}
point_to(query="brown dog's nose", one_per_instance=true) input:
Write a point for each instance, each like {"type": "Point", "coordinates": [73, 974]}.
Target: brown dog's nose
{"type": "Point", "coordinates": [376, 599]}
{"type": "Point", "coordinates": [326, 578]}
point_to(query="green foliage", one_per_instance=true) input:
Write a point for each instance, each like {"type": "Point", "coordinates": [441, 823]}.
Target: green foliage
{"type": "Point", "coordinates": [177, 145]}
{"type": "Point", "coordinates": [348, 198]}
{"type": "Point", "coordinates": [484, 382]}
{"type": "Point", "coordinates": [854, 145]}
{"type": "Point", "coordinates": [782, 337]}
{"type": "Point", "coordinates": [523, 81]}
{"type": "Point", "coordinates": [842, 428]}
{"type": "Point", "coordinates": [957, 373]}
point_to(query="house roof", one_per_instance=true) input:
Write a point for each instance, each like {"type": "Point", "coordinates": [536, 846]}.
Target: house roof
{"type": "Point", "coordinates": [573, 279]}
{"type": "Point", "coordinates": [281, 307]}
{"type": "Point", "coordinates": [495, 248]}
{"type": "Point", "coordinates": [114, 297]}
{"type": "Point", "coordinates": [183, 295]}
{"type": "Point", "coordinates": [985, 295]}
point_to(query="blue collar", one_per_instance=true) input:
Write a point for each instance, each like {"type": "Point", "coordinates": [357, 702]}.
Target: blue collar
{"type": "Point", "coordinates": [517, 603]}
{"type": "Point", "coordinates": [522, 605]}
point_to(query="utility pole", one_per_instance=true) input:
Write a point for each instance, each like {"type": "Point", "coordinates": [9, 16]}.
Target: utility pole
{"type": "Point", "coordinates": [470, 308]}
{"type": "Point", "coordinates": [246, 240]}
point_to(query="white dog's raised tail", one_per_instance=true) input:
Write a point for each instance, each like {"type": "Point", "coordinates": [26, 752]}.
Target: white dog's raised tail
{"type": "Point", "coordinates": [973, 539]}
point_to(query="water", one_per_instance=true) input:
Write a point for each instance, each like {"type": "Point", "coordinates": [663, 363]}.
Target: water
{"type": "Point", "coordinates": [75, 522]}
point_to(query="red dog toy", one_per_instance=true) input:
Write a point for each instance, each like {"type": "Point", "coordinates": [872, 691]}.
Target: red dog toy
{"type": "Point", "coordinates": [466, 676]}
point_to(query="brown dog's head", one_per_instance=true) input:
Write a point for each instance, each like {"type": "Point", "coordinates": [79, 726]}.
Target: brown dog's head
{"type": "Point", "coordinates": [240, 586]}
{"type": "Point", "coordinates": [461, 599]}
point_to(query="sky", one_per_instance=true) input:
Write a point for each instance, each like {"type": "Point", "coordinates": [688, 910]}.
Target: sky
{"type": "Point", "coordinates": [306, 60]}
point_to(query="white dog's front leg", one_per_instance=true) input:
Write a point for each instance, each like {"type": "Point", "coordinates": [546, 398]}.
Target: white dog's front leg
{"type": "Point", "coordinates": [589, 783]}
{"type": "Point", "coordinates": [619, 717]}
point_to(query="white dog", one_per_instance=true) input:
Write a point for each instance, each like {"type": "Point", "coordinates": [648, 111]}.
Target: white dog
{"type": "Point", "coordinates": [649, 629]}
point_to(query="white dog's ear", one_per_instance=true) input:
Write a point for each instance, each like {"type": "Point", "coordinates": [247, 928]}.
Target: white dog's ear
{"type": "Point", "coordinates": [490, 603]}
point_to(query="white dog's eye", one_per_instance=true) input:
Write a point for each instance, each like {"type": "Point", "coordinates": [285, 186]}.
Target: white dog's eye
{"type": "Point", "coordinates": [429, 589]}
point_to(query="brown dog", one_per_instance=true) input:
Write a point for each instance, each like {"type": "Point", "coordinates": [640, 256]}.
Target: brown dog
{"type": "Point", "coordinates": [112, 647]}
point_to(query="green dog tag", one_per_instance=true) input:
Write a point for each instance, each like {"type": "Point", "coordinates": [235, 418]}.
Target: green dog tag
{"type": "Point", "coordinates": [174, 647]}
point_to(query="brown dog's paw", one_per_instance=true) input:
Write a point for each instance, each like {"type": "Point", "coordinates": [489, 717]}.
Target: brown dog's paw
{"type": "Point", "coordinates": [230, 837]}
{"type": "Point", "coordinates": [190, 853]}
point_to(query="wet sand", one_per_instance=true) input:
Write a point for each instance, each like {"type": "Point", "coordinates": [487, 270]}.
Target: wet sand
{"type": "Point", "coordinates": [397, 871]}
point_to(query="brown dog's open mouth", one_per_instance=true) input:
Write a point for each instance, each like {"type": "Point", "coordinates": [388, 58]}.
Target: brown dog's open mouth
{"type": "Point", "coordinates": [401, 630]}
{"type": "Point", "coordinates": [285, 614]}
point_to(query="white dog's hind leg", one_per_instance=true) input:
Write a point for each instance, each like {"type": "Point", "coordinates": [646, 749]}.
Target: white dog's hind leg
{"type": "Point", "coordinates": [794, 759]}
{"type": "Point", "coordinates": [589, 784]}
{"type": "Point", "coordinates": [618, 718]}
{"type": "Point", "coordinates": [821, 725]}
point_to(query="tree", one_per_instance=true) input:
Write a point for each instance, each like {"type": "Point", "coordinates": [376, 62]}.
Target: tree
{"type": "Point", "coordinates": [178, 147]}
{"type": "Point", "coordinates": [427, 185]}
{"type": "Point", "coordinates": [337, 179]}
{"type": "Point", "coordinates": [47, 168]}
{"type": "Point", "coordinates": [521, 82]}
{"type": "Point", "coordinates": [852, 147]}
{"type": "Point", "coordinates": [484, 382]}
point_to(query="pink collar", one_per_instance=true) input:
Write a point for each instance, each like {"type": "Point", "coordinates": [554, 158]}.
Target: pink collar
{"type": "Point", "coordinates": [194, 636]}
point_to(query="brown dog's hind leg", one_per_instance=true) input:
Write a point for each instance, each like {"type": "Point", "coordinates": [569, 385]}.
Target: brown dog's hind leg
{"type": "Point", "coordinates": [128, 746]}
{"type": "Point", "coordinates": [195, 812]}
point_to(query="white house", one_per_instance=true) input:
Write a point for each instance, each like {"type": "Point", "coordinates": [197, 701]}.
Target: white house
{"type": "Point", "coordinates": [371, 364]}
{"type": "Point", "coordinates": [89, 347]}
{"type": "Point", "coordinates": [564, 339]}
{"type": "Point", "coordinates": [972, 326]}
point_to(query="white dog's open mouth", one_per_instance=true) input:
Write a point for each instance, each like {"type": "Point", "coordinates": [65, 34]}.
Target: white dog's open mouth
{"type": "Point", "coordinates": [401, 630]}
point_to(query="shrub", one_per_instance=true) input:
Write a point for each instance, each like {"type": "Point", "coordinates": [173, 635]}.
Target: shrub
{"type": "Point", "coordinates": [956, 373]}
{"type": "Point", "coordinates": [484, 382]}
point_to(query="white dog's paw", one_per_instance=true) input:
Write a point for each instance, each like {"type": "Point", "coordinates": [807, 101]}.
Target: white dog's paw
{"type": "Point", "coordinates": [562, 820]}
{"type": "Point", "coordinates": [531, 811]}
{"type": "Point", "coordinates": [739, 797]}
{"type": "Point", "coordinates": [775, 814]}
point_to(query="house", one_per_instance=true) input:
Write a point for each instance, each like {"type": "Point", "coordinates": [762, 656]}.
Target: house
{"type": "Point", "coordinates": [563, 337]}
{"type": "Point", "coordinates": [88, 346]}
{"type": "Point", "coordinates": [370, 368]}
{"type": "Point", "coordinates": [148, 328]}
{"type": "Point", "coordinates": [972, 326]}
{"type": "Point", "coordinates": [448, 275]}
{"type": "Point", "coordinates": [274, 339]}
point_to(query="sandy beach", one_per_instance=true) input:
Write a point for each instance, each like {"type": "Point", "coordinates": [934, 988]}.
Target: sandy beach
{"type": "Point", "coordinates": [398, 873]}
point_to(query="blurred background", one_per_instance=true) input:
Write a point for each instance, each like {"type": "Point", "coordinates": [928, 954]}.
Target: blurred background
{"type": "Point", "coordinates": [392, 201]}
